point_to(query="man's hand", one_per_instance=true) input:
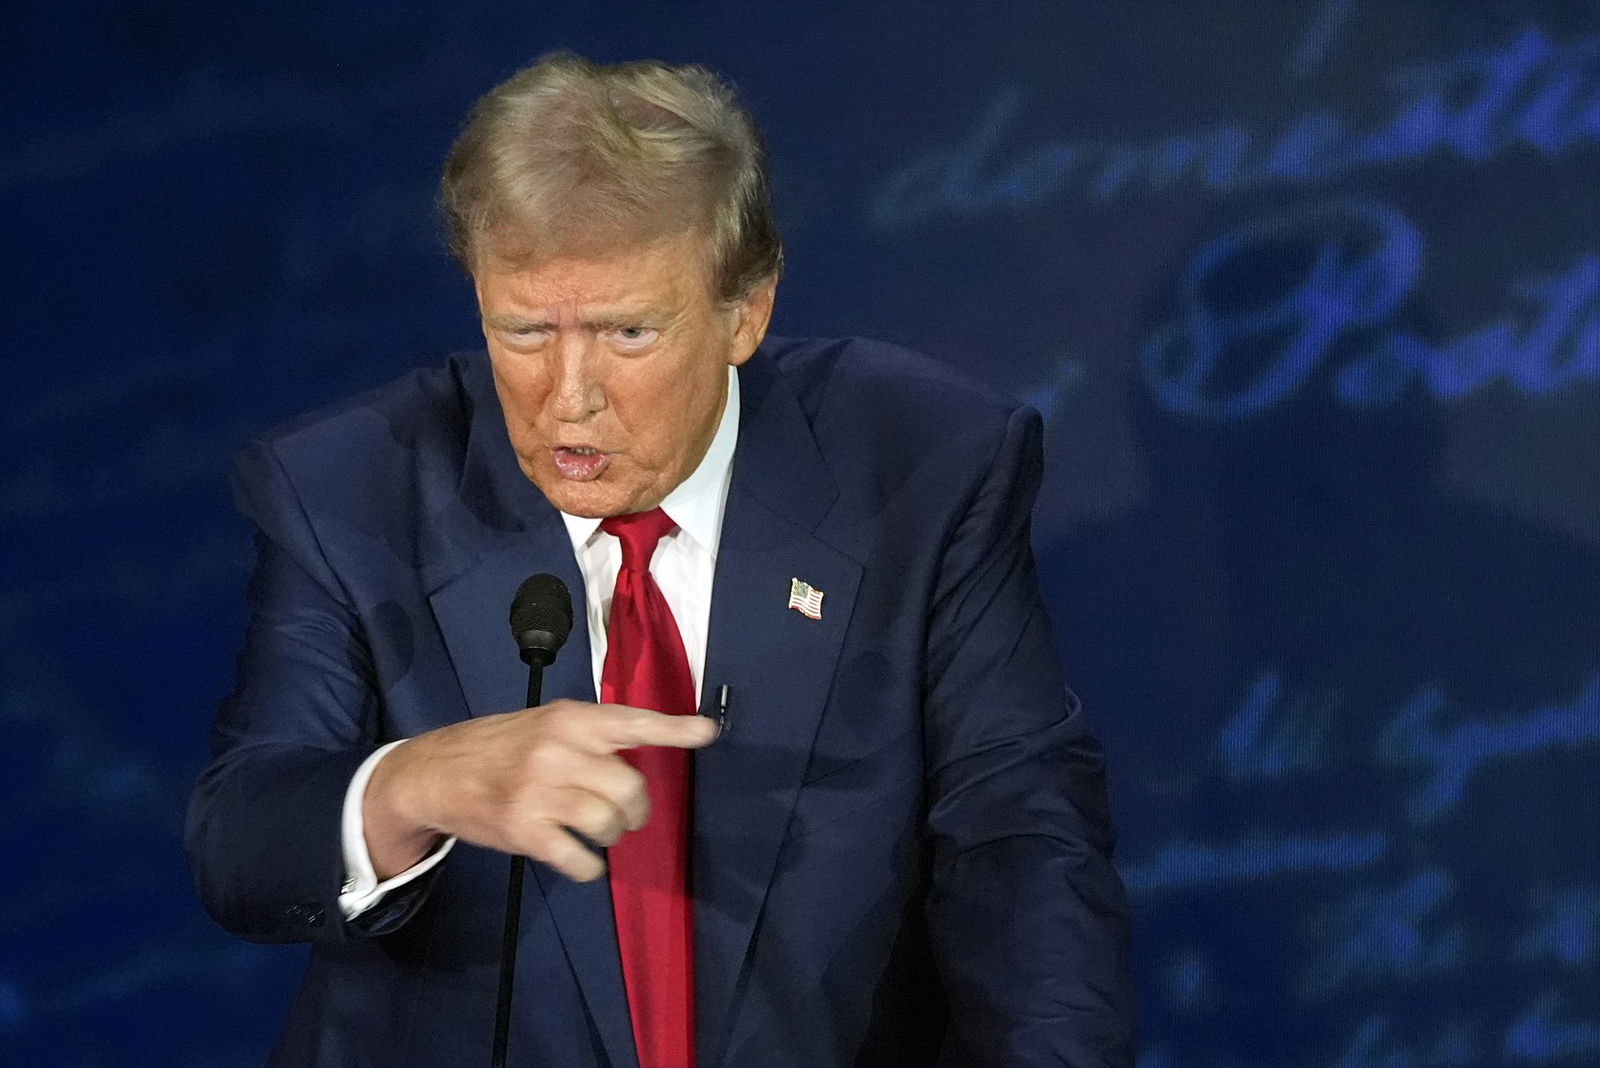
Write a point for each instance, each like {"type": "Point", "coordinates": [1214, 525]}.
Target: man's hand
{"type": "Point", "coordinates": [520, 782]}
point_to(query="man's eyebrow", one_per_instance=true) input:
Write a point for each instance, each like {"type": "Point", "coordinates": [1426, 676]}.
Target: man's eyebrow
{"type": "Point", "coordinates": [606, 319]}
{"type": "Point", "coordinates": [499, 321]}
{"type": "Point", "coordinates": [634, 317]}
{"type": "Point", "coordinates": [628, 314]}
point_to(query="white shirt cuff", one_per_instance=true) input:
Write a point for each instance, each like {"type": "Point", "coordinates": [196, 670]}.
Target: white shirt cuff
{"type": "Point", "coordinates": [361, 889]}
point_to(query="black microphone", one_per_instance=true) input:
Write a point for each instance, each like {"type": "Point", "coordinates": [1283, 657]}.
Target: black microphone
{"type": "Point", "coordinates": [541, 619]}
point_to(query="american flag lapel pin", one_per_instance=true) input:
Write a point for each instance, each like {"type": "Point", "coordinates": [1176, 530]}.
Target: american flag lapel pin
{"type": "Point", "coordinates": [805, 599]}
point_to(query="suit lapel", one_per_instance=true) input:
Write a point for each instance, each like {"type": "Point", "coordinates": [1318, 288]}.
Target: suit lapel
{"type": "Point", "coordinates": [472, 610]}
{"type": "Point", "coordinates": [506, 532]}
{"type": "Point", "coordinates": [778, 665]}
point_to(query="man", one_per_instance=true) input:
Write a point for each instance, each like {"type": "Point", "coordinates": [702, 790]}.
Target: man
{"type": "Point", "coordinates": [897, 851]}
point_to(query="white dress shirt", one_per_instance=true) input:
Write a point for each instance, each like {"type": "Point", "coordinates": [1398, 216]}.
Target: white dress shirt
{"type": "Point", "coordinates": [683, 567]}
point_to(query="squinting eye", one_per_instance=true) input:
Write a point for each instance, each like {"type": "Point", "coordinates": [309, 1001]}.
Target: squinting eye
{"type": "Point", "coordinates": [635, 336]}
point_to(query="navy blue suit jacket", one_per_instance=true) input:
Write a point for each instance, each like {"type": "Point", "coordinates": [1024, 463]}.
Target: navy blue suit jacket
{"type": "Point", "coordinates": [901, 847]}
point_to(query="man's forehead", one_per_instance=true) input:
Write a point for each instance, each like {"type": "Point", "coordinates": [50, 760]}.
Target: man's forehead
{"type": "Point", "coordinates": [651, 277]}
{"type": "Point", "coordinates": [554, 288]}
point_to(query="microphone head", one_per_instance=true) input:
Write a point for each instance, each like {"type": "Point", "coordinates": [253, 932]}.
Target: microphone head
{"type": "Point", "coordinates": [541, 618]}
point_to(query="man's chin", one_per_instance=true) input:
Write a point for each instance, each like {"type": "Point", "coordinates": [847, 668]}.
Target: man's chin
{"type": "Point", "coordinates": [594, 500]}
{"type": "Point", "coordinates": [583, 511]}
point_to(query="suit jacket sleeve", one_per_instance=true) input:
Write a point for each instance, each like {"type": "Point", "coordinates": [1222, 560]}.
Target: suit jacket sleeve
{"type": "Point", "coordinates": [1028, 917]}
{"type": "Point", "coordinates": [263, 830]}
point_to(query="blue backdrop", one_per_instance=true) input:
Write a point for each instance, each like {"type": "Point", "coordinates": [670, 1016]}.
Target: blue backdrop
{"type": "Point", "coordinates": [1309, 293]}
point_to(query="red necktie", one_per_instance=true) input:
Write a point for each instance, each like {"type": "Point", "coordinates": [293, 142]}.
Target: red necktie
{"type": "Point", "coordinates": [646, 667]}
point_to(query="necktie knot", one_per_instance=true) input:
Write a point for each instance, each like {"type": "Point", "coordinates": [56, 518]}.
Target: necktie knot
{"type": "Point", "coordinates": [639, 534]}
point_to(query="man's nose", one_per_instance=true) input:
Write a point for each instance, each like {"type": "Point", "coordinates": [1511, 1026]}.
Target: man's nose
{"type": "Point", "coordinates": [578, 391]}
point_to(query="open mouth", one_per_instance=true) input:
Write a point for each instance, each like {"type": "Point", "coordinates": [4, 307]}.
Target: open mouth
{"type": "Point", "coordinates": [580, 463]}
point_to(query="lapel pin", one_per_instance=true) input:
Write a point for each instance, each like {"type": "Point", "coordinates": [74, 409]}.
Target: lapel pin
{"type": "Point", "coordinates": [805, 599]}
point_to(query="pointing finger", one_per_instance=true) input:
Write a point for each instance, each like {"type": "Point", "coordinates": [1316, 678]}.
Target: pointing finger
{"type": "Point", "coordinates": [627, 728]}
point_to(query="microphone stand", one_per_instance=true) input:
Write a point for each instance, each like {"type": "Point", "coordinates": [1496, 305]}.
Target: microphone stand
{"type": "Point", "coordinates": [508, 940]}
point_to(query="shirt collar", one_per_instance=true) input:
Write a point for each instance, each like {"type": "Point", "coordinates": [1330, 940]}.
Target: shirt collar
{"type": "Point", "coordinates": [696, 504]}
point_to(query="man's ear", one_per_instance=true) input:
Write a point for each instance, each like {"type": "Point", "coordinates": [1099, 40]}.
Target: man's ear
{"type": "Point", "coordinates": [755, 312]}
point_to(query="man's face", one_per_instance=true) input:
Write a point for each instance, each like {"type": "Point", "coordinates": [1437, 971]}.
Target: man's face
{"type": "Point", "coordinates": [612, 369]}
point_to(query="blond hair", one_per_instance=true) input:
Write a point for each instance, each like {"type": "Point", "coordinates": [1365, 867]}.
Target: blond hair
{"type": "Point", "coordinates": [570, 156]}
